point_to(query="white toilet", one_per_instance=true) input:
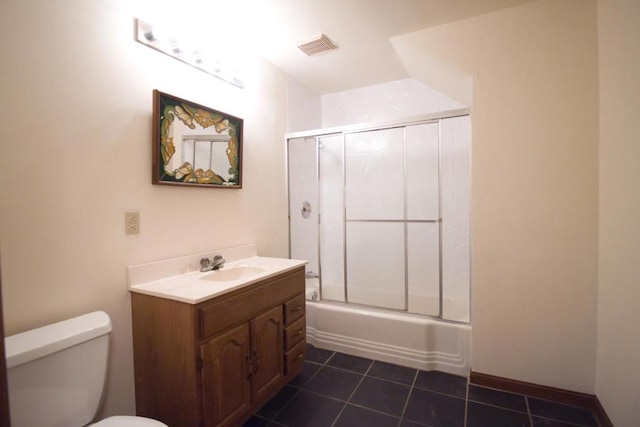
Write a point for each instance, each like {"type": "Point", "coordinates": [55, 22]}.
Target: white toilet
{"type": "Point", "coordinates": [56, 375]}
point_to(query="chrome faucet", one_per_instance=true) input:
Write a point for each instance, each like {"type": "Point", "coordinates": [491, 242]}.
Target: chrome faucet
{"type": "Point", "coordinates": [207, 264]}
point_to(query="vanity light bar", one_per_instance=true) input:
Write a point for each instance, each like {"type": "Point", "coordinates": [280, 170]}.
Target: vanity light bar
{"type": "Point", "coordinates": [149, 36]}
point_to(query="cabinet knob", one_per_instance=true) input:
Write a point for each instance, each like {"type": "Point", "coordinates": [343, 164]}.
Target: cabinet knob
{"type": "Point", "coordinates": [299, 332]}
{"type": "Point", "coordinates": [298, 307]}
{"type": "Point", "coordinates": [300, 356]}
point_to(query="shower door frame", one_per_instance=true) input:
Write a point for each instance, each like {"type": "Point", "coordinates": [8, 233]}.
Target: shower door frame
{"type": "Point", "coordinates": [368, 127]}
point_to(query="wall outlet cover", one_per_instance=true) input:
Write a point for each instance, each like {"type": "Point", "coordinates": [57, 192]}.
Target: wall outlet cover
{"type": "Point", "coordinates": [131, 223]}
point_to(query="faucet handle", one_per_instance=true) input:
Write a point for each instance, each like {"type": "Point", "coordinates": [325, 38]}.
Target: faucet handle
{"type": "Point", "coordinates": [218, 262]}
{"type": "Point", "coordinates": [205, 264]}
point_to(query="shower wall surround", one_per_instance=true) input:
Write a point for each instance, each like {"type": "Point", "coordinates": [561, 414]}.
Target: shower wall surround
{"type": "Point", "coordinates": [382, 102]}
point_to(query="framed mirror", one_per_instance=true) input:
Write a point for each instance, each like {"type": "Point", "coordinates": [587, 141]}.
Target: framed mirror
{"type": "Point", "coordinates": [195, 145]}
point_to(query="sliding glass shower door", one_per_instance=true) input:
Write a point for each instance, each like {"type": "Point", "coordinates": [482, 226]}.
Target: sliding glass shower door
{"type": "Point", "coordinates": [366, 210]}
{"type": "Point", "coordinates": [392, 217]}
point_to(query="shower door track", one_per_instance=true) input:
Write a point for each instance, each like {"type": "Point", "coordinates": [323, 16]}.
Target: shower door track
{"type": "Point", "coordinates": [362, 127]}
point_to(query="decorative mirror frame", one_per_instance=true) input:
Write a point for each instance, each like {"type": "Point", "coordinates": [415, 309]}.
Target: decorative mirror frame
{"type": "Point", "coordinates": [170, 111]}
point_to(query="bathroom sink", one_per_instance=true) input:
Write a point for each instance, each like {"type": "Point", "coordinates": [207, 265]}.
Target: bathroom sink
{"type": "Point", "coordinates": [233, 273]}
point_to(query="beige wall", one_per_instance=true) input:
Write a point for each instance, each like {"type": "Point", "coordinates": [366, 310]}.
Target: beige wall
{"type": "Point", "coordinates": [618, 379]}
{"type": "Point", "coordinates": [76, 119]}
{"type": "Point", "coordinates": [535, 186]}
{"type": "Point", "coordinates": [534, 201]}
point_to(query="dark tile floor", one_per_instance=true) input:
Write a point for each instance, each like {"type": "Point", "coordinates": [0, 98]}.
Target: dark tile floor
{"type": "Point", "coordinates": [340, 390]}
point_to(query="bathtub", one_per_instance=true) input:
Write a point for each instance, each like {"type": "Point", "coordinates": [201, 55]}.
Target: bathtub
{"type": "Point", "coordinates": [399, 338]}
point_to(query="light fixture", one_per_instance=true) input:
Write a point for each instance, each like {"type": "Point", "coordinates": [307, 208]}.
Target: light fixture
{"type": "Point", "coordinates": [170, 44]}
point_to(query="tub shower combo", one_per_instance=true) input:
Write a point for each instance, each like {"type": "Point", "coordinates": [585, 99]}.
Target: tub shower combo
{"type": "Point", "coordinates": [381, 212]}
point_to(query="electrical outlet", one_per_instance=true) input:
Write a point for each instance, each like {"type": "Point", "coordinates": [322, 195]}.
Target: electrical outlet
{"type": "Point", "coordinates": [131, 223]}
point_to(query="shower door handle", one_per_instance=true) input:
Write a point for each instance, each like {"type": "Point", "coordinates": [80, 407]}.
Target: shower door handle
{"type": "Point", "coordinates": [306, 209]}
{"type": "Point", "coordinates": [312, 275]}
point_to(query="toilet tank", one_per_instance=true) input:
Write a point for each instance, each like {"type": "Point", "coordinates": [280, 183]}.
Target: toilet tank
{"type": "Point", "coordinates": [56, 373]}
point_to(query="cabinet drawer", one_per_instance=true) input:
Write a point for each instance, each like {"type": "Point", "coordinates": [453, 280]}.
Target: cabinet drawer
{"type": "Point", "coordinates": [227, 311]}
{"type": "Point", "coordinates": [295, 332]}
{"type": "Point", "coordinates": [294, 359]}
{"type": "Point", "coordinates": [294, 309]}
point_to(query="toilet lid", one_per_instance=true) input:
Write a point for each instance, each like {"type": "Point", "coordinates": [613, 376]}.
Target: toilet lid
{"type": "Point", "coordinates": [124, 421]}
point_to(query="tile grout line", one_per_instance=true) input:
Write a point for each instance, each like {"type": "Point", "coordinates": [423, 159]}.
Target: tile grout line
{"type": "Point", "coordinates": [358, 405]}
{"type": "Point", "coordinates": [491, 405]}
{"type": "Point", "coordinates": [569, 423]}
{"type": "Point", "coordinates": [366, 374]}
{"type": "Point", "coordinates": [273, 419]}
{"type": "Point", "coordinates": [441, 393]}
{"type": "Point", "coordinates": [390, 380]}
{"type": "Point", "coordinates": [526, 401]}
{"type": "Point", "coordinates": [527, 409]}
{"type": "Point", "coordinates": [344, 401]}
{"type": "Point", "coordinates": [352, 393]}
{"type": "Point", "coordinates": [495, 405]}
{"type": "Point", "coordinates": [466, 404]}
{"type": "Point", "coordinates": [315, 393]}
{"type": "Point", "coordinates": [406, 403]}
{"type": "Point", "coordinates": [372, 376]}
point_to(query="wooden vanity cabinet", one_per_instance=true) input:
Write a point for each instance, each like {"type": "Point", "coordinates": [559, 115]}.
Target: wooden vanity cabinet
{"type": "Point", "coordinates": [215, 363]}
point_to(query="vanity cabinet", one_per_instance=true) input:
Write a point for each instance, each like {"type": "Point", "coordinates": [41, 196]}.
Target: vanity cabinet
{"type": "Point", "coordinates": [241, 366]}
{"type": "Point", "coordinates": [215, 363]}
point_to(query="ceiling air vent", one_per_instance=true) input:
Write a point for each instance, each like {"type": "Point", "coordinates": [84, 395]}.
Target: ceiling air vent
{"type": "Point", "coordinates": [317, 45]}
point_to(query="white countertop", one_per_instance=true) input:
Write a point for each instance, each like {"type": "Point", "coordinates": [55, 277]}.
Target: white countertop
{"type": "Point", "coordinates": [192, 287]}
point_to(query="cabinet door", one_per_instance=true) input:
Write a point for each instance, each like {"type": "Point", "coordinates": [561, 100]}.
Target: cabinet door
{"type": "Point", "coordinates": [226, 377]}
{"type": "Point", "coordinates": [267, 337]}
